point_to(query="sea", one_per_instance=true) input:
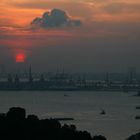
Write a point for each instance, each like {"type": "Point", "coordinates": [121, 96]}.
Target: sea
{"type": "Point", "coordinates": [84, 106]}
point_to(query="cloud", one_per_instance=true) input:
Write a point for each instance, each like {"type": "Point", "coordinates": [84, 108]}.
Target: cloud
{"type": "Point", "coordinates": [55, 18]}
{"type": "Point", "coordinates": [120, 7]}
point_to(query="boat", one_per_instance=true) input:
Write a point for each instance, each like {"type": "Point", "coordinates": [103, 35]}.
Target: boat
{"type": "Point", "coordinates": [137, 117]}
{"type": "Point", "coordinates": [103, 112]}
{"type": "Point", "coordinates": [65, 95]}
{"type": "Point", "coordinates": [137, 107]}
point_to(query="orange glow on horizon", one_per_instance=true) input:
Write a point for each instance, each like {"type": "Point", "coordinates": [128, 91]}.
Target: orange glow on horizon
{"type": "Point", "coordinates": [20, 58]}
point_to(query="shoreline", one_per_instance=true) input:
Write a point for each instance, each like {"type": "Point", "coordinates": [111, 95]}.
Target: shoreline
{"type": "Point", "coordinates": [98, 90]}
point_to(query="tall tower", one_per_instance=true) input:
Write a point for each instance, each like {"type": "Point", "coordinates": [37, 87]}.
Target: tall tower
{"type": "Point", "coordinates": [131, 74]}
{"type": "Point", "coordinates": [30, 75]}
{"type": "Point", "coordinates": [10, 79]}
{"type": "Point", "coordinates": [107, 78]}
{"type": "Point", "coordinates": [42, 79]}
{"type": "Point", "coordinates": [17, 80]}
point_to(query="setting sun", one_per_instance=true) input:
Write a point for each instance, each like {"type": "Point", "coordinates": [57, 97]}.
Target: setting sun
{"type": "Point", "coordinates": [20, 58]}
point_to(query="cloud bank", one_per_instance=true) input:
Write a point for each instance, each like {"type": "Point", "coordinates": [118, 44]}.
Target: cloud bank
{"type": "Point", "coordinates": [55, 18]}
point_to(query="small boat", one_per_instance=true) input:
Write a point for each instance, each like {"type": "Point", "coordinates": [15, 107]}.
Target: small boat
{"type": "Point", "coordinates": [137, 117]}
{"type": "Point", "coordinates": [65, 95]}
{"type": "Point", "coordinates": [103, 112]}
{"type": "Point", "coordinates": [137, 107]}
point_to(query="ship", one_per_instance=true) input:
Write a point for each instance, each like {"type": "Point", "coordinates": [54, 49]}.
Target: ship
{"type": "Point", "coordinates": [137, 107]}
{"type": "Point", "coordinates": [137, 117]}
{"type": "Point", "coordinates": [103, 112]}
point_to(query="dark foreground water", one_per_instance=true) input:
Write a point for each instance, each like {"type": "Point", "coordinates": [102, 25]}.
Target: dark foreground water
{"type": "Point", "coordinates": [84, 107]}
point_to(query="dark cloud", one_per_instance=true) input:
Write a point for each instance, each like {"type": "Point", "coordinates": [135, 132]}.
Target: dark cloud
{"type": "Point", "coordinates": [55, 18]}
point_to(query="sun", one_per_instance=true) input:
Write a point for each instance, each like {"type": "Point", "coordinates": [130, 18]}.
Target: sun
{"type": "Point", "coordinates": [20, 58]}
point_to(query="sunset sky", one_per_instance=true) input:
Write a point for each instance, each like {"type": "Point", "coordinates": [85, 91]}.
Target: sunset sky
{"type": "Point", "coordinates": [108, 38]}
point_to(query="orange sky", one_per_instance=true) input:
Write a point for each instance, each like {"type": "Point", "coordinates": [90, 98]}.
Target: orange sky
{"type": "Point", "coordinates": [100, 18]}
{"type": "Point", "coordinates": [20, 13]}
{"type": "Point", "coordinates": [96, 15]}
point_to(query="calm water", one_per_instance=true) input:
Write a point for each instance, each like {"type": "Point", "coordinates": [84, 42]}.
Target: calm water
{"type": "Point", "coordinates": [84, 107]}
